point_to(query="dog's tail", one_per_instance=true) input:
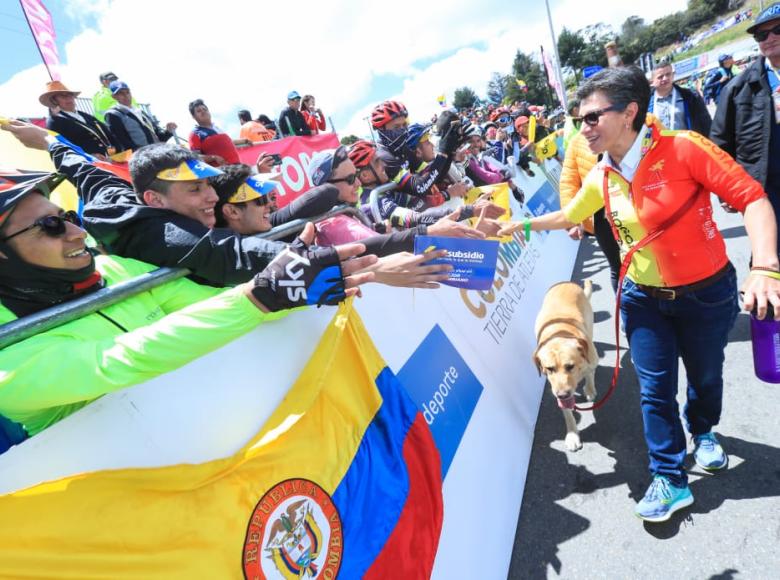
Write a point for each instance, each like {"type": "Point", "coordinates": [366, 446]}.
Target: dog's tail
{"type": "Point", "coordinates": [588, 288]}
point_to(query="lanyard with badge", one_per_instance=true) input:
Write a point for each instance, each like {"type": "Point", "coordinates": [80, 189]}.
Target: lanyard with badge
{"type": "Point", "coordinates": [776, 94]}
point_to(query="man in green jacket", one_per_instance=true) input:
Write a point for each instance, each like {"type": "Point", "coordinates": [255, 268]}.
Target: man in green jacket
{"type": "Point", "coordinates": [44, 261]}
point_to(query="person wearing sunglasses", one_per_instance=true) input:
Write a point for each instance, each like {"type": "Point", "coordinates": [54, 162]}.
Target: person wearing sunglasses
{"type": "Point", "coordinates": [679, 296]}
{"type": "Point", "coordinates": [747, 121]}
{"type": "Point", "coordinates": [44, 261]}
{"type": "Point", "coordinates": [244, 200]}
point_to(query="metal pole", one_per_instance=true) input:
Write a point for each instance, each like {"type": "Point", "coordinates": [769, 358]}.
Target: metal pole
{"type": "Point", "coordinates": [558, 72]}
{"type": "Point", "coordinates": [332, 126]}
{"type": "Point", "coordinates": [370, 129]}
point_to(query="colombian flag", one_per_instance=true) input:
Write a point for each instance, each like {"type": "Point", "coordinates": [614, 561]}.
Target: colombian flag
{"type": "Point", "coordinates": [342, 481]}
{"type": "Point", "coordinates": [118, 164]}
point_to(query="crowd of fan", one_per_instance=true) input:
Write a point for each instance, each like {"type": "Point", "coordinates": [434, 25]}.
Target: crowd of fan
{"type": "Point", "coordinates": [148, 203]}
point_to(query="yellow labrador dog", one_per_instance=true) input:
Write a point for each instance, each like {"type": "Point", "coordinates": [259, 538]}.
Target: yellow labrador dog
{"type": "Point", "coordinates": [565, 353]}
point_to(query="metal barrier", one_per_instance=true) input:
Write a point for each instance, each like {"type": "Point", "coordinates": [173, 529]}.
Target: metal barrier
{"type": "Point", "coordinates": [23, 328]}
{"type": "Point", "coordinates": [84, 105]}
{"type": "Point", "coordinates": [373, 200]}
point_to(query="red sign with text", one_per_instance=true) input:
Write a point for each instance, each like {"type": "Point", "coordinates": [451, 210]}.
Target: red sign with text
{"type": "Point", "coordinates": [296, 153]}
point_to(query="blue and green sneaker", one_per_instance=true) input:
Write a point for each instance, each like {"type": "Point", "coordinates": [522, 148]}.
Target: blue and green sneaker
{"type": "Point", "coordinates": [708, 453]}
{"type": "Point", "coordinates": [662, 499]}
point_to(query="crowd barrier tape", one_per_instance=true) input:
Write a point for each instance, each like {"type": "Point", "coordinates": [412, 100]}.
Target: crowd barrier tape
{"type": "Point", "coordinates": [463, 356]}
{"type": "Point", "coordinates": [296, 153]}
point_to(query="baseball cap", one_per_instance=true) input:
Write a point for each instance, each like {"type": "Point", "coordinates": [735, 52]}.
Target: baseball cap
{"type": "Point", "coordinates": [293, 95]}
{"type": "Point", "coordinates": [117, 86]}
{"type": "Point", "coordinates": [324, 163]}
{"type": "Point", "coordinates": [108, 76]}
{"type": "Point", "coordinates": [723, 57]}
{"type": "Point", "coordinates": [769, 14]}
{"type": "Point", "coordinates": [252, 188]}
{"type": "Point", "coordinates": [189, 170]}
{"type": "Point", "coordinates": [15, 187]}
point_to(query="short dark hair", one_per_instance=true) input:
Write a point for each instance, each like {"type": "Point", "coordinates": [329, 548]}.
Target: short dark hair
{"type": "Point", "coordinates": [149, 160]}
{"type": "Point", "coordinates": [226, 185]}
{"type": "Point", "coordinates": [574, 103]}
{"type": "Point", "coordinates": [621, 85]}
{"type": "Point", "coordinates": [663, 63]}
{"type": "Point", "coordinates": [244, 116]}
{"type": "Point", "coordinates": [196, 103]}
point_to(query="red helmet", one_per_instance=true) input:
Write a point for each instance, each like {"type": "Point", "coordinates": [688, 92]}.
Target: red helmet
{"type": "Point", "coordinates": [361, 153]}
{"type": "Point", "coordinates": [385, 112]}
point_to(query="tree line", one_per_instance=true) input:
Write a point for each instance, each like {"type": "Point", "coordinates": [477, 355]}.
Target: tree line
{"type": "Point", "coordinates": [585, 47]}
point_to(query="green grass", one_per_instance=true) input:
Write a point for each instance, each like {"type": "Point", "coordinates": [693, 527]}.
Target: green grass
{"type": "Point", "coordinates": [723, 37]}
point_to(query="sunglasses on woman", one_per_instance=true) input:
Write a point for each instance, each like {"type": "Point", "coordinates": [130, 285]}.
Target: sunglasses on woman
{"type": "Point", "coordinates": [51, 225]}
{"type": "Point", "coordinates": [349, 179]}
{"type": "Point", "coordinates": [592, 119]}
{"type": "Point", "coordinates": [762, 35]}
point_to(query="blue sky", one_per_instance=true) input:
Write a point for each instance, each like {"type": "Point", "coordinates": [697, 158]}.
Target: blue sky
{"type": "Point", "coordinates": [349, 55]}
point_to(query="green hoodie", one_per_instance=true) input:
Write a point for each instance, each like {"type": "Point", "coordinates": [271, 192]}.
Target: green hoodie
{"type": "Point", "coordinates": [49, 376]}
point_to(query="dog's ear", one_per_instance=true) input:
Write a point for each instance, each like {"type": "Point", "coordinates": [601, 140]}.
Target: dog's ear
{"type": "Point", "coordinates": [583, 348]}
{"type": "Point", "coordinates": [537, 361]}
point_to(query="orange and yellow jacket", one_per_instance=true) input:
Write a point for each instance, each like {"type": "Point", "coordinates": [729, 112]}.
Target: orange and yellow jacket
{"type": "Point", "coordinates": [675, 166]}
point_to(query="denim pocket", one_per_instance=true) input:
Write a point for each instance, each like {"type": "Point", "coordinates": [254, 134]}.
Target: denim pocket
{"type": "Point", "coordinates": [721, 293]}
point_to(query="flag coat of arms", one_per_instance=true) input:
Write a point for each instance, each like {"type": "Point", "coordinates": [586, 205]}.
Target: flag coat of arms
{"type": "Point", "coordinates": [343, 480]}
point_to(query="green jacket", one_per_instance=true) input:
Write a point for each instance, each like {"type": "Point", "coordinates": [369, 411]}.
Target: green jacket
{"type": "Point", "coordinates": [53, 374]}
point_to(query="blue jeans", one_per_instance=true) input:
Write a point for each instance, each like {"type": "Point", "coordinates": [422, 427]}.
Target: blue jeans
{"type": "Point", "coordinates": [695, 327]}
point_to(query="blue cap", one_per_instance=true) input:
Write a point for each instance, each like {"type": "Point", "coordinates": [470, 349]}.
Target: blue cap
{"type": "Point", "coordinates": [769, 14]}
{"type": "Point", "coordinates": [293, 95]}
{"type": "Point", "coordinates": [321, 167]}
{"type": "Point", "coordinates": [724, 57]}
{"type": "Point", "coordinates": [117, 86]}
{"type": "Point", "coordinates": [324, 163]}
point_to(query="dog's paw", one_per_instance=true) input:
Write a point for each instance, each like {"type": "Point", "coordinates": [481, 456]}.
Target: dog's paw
{"type": "Point", "coordinates": [573, 442]}
{"type": "Point", "coordinates": [590, 393]}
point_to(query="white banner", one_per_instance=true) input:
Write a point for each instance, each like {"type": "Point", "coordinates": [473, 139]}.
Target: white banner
{"type": "Point", "coordinates": [464, 356]}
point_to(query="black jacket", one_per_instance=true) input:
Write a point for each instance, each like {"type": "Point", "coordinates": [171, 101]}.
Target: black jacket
{"type": "Point", "coordinates": [115, 120]}
{"type": "Point", "coordinates": [115, 217]}
{"type": "Point", "coordinates": [697, 117]}
{"type": "Point", "coordinates": [91, 135]}
{"type": "Point", "coordinates": [743, 122]}
{"type": "Point", "coordinates": [291, 123]}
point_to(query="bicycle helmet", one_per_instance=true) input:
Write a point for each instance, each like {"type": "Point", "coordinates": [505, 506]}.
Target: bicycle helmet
{"type": "Point", "coordinates": [361, 153]}
{"type": "Point", "coordinates": [385, 112]}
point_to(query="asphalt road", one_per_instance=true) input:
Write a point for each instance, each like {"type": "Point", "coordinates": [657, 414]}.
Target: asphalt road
{"type": "Point", "coordinates": [577, 515]}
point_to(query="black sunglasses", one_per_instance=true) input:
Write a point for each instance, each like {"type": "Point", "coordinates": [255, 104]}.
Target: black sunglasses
{"type": "Point", "coordinates": [52, 225]}
{"type": "Point", "coordinates": [350, 179]}
{"type": "Point", "coordinates": [762, 35]}
{"type": "Point", "coordinates": [592, 119]}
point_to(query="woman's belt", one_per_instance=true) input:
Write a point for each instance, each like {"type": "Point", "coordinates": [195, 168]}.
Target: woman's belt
{"type": "Point", "coordinates": [678, 291]}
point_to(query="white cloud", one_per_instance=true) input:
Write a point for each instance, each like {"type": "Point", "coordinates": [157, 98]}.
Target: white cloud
{"type": "Point", "coordinates": [236, 54]}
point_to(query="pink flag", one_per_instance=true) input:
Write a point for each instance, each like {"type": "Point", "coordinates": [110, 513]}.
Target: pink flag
{"type": "Point", "coordinates": [42, 29]}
